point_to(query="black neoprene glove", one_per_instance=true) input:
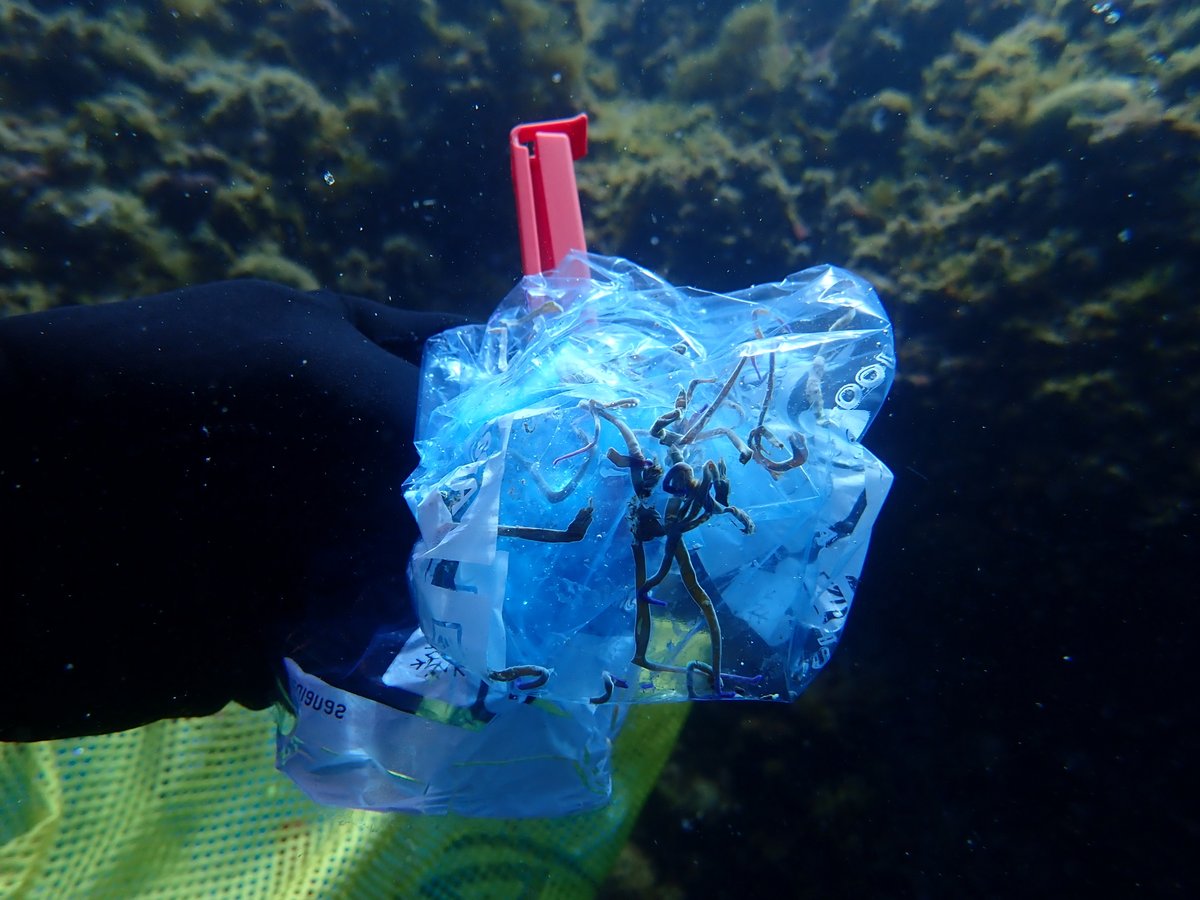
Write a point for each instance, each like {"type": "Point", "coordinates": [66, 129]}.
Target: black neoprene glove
{"type": "Point", "coordinates": [193, 485]}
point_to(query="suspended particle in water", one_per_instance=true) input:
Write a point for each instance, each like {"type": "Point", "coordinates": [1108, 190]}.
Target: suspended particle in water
{"type": "Point", "coordinates": [329, 179]}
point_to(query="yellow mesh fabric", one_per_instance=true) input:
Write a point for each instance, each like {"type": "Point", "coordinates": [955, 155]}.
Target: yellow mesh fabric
{"type": "Point", "coordinates": [195, 808]}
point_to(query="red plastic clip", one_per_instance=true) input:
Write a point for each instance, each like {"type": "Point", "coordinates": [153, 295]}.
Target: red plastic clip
{"type": "Point", "coordinates": [549, 219]}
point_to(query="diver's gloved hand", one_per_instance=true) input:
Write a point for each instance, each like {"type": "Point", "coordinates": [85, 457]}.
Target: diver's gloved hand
{"type": "Point", "coordinates": [193, 485]}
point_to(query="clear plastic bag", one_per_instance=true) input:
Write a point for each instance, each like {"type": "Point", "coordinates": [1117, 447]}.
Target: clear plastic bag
{"type": "Point", "coordinates": [628, 492]}
{"type": "Point", "coordinates": [427, 737]}
{"type": "Point", "coordinates": [633, 492]}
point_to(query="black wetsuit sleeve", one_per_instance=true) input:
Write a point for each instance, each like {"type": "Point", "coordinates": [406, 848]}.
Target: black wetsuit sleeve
{"type": "Point", "coordinates": [193, 485]}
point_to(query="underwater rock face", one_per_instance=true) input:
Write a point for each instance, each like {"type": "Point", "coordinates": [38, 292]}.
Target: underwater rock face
{"type": "Point", "coordinates": [230, 139]}
{"type": "Point", "coordinates": [948, 152]}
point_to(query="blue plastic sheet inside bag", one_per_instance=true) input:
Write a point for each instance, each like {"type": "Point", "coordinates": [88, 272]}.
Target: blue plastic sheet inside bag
{"type": "Point", "coordinates": [628, 492]}
{"type": "Point", "coordinates": [634, 492]}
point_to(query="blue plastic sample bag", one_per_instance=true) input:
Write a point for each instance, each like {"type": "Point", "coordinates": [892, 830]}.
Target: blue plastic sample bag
{"type": "Point", "coordinates": [628, 492]}
{"type": "Point", "coordinates": [633, 492]}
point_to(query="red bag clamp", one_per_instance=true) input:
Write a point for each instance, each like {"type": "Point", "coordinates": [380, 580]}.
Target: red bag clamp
{"type": "Point", "coordinates": [549, 219]}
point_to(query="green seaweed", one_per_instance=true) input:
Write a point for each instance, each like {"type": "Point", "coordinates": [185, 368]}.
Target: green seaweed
{"type": "Point", "coordinates": [267, 261]}
{"type": "Point", "coordinates": [945, 149]}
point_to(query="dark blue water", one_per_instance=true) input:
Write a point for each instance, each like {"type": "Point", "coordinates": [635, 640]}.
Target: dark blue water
{"type": "Point", "coordinates": [1009, 710]}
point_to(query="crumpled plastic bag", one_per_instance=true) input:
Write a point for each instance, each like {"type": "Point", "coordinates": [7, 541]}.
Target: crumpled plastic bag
{"type": "Point", "coordinates": [633, 492]}
{"type": "Point", "coordinates": [628, 492]}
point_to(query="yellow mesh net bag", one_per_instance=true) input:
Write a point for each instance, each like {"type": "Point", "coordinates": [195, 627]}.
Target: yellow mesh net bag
{"type": "Point", "coordinates": [196, 808]}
